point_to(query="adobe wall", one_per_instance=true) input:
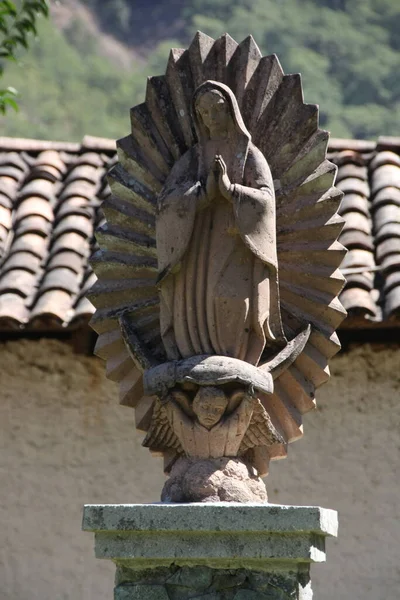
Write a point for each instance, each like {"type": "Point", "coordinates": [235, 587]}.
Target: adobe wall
{"type": "Point", "coordinates": [65, 441]}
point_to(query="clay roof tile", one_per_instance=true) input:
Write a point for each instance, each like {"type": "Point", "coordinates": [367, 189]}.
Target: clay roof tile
{"type": "Point", "coordinates": [50, 203]}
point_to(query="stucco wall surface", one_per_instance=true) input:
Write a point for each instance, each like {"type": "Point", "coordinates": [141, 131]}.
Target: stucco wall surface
{"type": "Point", "coordinates": [65, 441]}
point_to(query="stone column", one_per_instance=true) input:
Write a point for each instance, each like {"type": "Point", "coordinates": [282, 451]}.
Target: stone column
{"type": "Point", "coordinates": [207, 551]}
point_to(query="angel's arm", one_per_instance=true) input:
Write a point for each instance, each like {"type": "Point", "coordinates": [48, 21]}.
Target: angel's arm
{"type": "Point", "coordinates": [237, 424]}
{"type": "Point", "coordinates": [241, 416]}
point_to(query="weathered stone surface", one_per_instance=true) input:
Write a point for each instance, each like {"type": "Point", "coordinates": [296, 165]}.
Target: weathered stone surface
{"type": "Point", "coordinates": [200, 578]}
{"type": "Point", "coordinates": [232, 192]}
{"type": "Point", "coordinates": [213, 480]}
{"type": "Point", "coordinates": [216, 535]}
{"type": "Point", "coordinates": [188, 583]}
{"type": "Point", "coordinates": [203, 517]}
{"type": "Point", "coordinates": [250, 595]}
{"type": "Point", "coordinates": [141, 592]}
{"type": "Point", "coordinates": [206, 582]}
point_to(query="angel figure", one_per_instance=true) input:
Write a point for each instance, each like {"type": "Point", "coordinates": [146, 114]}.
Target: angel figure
{"type": "Point", "coordinates": [214, 424]}
{"type": "Point", "coordinates": [216, 240]}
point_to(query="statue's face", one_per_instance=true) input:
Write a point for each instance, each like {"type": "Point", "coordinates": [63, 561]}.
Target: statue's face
{"type": "Point", "coordinates": [209, 405]}
{"type": "Point", "coordinates": [213, 109]}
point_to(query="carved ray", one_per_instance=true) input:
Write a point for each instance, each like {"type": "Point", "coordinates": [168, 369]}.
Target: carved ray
{"type": "Point", "coordinates": [313, 365]}
{"type": "Point", "coordinates": [115, 265]}
{"type": "Point", "coordinates": [299, 389]}
{"type": "Point", "coordinates": [143, 413]}
{"type": "Point", "coordinates": [312, 309]}
{"type": "Point", "coordinates": [131, 388]}
{"type": "Point", "coordinates": [294, 118]}
{"type": "Point", "coordinates": [129, 189]}
{"type": "Point", "coordinates": [289, 418]}
{"type": "Point", "coordinates": [309, 158]}
{"type": "Point", "coordinates": [295, 139]}
{"type": "Point", "coordinates": [278, 451]}
{"type": "Point", "coordinates": [124, 214]}
{"type": "Point", "coordinates": [260, 457]}
{"type": "Point", "coordinates": [320, 180]}
{"type": "Point", "coordinates": [300, 277]}
{"type": "Point", "coordinates": [149, 138]}
{"type": "Point", "coordinates": [302, 212]}
{"type": "Point", "coordinates": [241, 67]}
{"type": "Point", "coordinates": [327, 345]}
{"type": "Point", "coordinates": [311, 369]}
{"type": "Point", "coordinates": [106, 292]}
{"type": "Point", "coordinates": [326, 233]}
{"type": "Point", "coordinates": [322, 271]}
{"type": "Point", "coordinates": [118, 239]}
{"type": "Point", "coordinates": [181, 88]}
{"type": "Point", "coordinates": [109, 343]}
{"type": "Point", "coordinates": [277, 114]}
{"type": "Point", "coordinates": [261, 89]}
{"type": "Point", "coordinates": [132, 160]}
{"type": "Point", "coordinates": [162, 109]}
{"type": "Point", "coordinates": [119, 265]}
{"type": "Point", "coordinates": [105, 319]}
{"type": "Point", "coordinates": [119, 366]}
{"type": "Point", "coordinates": [198, 52]}
{"type": "Point", "coordinates": [218, 59]}
{"type": "Point", "coordinates": [331, 256]}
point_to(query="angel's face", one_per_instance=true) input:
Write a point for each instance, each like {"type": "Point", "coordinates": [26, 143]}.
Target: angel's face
{"type": "Point", "coordinates": [209, 405]}
{"type": "Point", "coordinates": [213, 110]}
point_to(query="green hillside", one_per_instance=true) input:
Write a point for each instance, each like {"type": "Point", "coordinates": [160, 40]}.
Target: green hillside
{"type": "Point", "coordinates": [348, 52]}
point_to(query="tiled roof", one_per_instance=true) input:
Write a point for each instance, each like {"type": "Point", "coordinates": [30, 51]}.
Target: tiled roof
{"type": "Point", "coordinates": [49, 198]}
{"type": "Point", "coordinates": [369, 176]}
{"type": "Point", "coordinates": [50, 193]}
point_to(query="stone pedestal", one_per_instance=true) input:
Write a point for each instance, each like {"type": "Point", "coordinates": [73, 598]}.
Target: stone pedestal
{"type": "Point", "coordinates": [221, 551]}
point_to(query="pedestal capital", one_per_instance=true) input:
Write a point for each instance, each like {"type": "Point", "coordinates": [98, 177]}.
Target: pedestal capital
{"type": "Point", "coordinates": [219, 535]}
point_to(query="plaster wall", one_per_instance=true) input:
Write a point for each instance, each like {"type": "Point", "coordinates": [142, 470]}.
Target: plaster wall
{"type": "Point", "coordinates": [65, 441]}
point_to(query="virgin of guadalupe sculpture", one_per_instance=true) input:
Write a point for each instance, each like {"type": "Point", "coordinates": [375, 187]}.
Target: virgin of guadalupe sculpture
{"type": "Point", "coordinates": [216, 240]}
{"type": "Point", "coordinates": [190, 316]}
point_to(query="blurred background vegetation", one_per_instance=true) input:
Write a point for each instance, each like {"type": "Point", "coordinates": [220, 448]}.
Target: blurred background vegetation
{"type": "Point", "coordinates": [89, 63]}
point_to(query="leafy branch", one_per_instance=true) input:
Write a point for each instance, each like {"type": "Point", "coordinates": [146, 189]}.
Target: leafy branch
{"type": "Point", "coordinates": [16, 24]}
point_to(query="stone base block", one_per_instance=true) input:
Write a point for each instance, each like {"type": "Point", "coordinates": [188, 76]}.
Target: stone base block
{"type": "Point", "coordinates": [223, 551]}
{"type": "Point", "coordinates": [186, 583]}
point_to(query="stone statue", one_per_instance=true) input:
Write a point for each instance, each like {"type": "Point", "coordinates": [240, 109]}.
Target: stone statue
{"type": "Point", "coordinates": [212, 425]}
{"type": "Point", "coordinates": [219, 278]}
{"type": "Point", "coordinates": [218, 268]}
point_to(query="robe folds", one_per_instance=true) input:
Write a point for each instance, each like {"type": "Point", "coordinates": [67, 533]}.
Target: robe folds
{"type": "Point", "coordinates": [218, 272]}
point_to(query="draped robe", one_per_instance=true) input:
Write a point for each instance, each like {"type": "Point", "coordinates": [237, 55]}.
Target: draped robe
{"type": "Point", "coordinates": [218, 262]}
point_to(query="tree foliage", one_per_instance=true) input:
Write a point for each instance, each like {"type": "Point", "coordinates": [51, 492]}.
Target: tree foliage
{"type": "Point", "coordinates": [347, 52]}
{"type": "Point", "coordinates": [16, 23]}
{"type": "Point", "coordinates": [69, 90]}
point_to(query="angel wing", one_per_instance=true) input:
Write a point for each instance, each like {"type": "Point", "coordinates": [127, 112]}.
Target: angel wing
{"type": "Point", "coordinates": [160, 437]}
{"type": "Point", "coordinates": [286, 130]}
{"type": "Point", "coordinates": [261, 431]}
